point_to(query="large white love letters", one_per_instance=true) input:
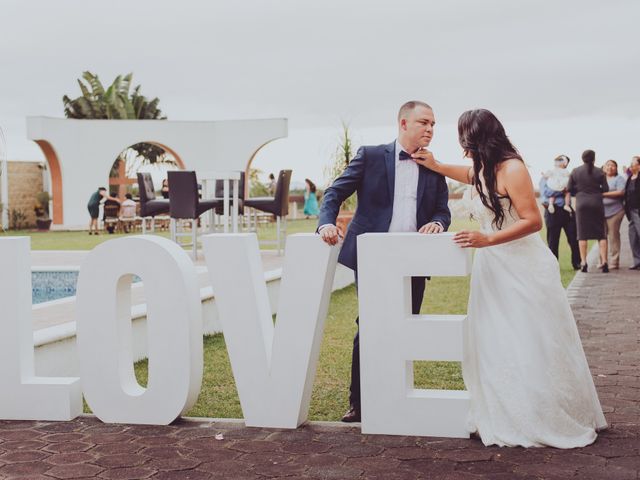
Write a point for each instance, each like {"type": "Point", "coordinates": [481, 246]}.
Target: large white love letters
{"type": "Point", "coordinates": [174, 330]}
{"type": "Point", "coordinates": [23, 396]}
{"type": "Point", "coordinates": [274, 366]}
{"type": "Point", "coordinates": [391, 338]}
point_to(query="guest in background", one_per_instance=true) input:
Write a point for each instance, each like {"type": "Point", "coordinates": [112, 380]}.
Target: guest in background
{"type": "Point", "coordinates": [111, 211]}
{"type": "Point", "coordinates": [93, 206]}
{"type": "Point", "coordinates": [632, 208]}
{"type": "Point", "coordinates": [613, 210]}
{"type": "Point", "coordinates": [556, 185]}
{"type": "Point", "coordinates": [271, 186]}
{"type": "Point", "coordinates": [127, 211]}
{"type": "Point", "coordinates": [310, 199]}
{"type": "Point", "coordinates": [164, 190]}
{"type": "Point", "coordinates": [588, 183]}
{"type": "Point", "coordinates": [561, 217]}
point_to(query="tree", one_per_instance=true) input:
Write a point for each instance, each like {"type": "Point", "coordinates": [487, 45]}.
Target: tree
{"type": "Point", "coordinates": [341, 158]}
{"type": "Point", "coordinates": [117, 103]}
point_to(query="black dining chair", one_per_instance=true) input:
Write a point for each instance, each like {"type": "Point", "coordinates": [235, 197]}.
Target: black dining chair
{"type": "Point", "coordinates": [277, 205]}
{"type": "Point", "coordinates": [150, 205]}
{"type": "Point", "coordinates": [185, 204]}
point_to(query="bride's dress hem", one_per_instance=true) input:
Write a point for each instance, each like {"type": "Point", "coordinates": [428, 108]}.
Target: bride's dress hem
{"type": "Point", "coordinates": [524, 365]}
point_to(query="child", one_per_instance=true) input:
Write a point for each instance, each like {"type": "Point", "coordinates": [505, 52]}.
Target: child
{"type": "Point", "coordinates": [94, 207]}
{"type": "Point", "coordinates": [556, 184]}
{"type": "Point", "coordinates": [127, 212]}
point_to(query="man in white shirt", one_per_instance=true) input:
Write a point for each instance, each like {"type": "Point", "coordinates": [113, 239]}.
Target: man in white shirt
{"type": "Point", "coordinates": [395, 194]}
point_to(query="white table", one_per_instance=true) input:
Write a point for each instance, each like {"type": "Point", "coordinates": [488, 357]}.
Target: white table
{"type": "Point", "coordinates": [208, 179]}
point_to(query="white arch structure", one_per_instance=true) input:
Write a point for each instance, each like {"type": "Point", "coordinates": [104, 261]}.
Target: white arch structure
{"type": "Point", "coordinates": [80, 153]}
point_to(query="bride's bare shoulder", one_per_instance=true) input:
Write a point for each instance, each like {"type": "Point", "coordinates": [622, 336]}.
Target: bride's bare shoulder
{"type": "Point", "coordinates": [512, 165]}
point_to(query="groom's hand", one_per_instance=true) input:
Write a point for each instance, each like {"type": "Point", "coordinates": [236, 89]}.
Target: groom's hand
{"type": "Point", "coordinates": [431, 227]}
{"type": "Point", "coordinates": [330, 234]}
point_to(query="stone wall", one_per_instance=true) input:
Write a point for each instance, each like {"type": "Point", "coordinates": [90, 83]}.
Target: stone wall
{"type": "Point", "coordinates": [25, 182]}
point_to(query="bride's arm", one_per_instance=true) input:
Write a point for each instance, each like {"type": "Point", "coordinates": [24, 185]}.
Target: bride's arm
{"type": "Point", "coordinates": [519, 188]}
{"type": "Point", "coordinates": [460, 173]}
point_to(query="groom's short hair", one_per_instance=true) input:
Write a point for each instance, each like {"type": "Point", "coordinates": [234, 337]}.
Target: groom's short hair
{"type": "Point", "coordinates": [410, 106]}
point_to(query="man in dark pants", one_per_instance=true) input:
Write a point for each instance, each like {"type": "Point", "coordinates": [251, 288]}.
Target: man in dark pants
{"type": "Point", "coordinates": [559, 220]}
{"type": "Point", "coordinates": [395, 194]}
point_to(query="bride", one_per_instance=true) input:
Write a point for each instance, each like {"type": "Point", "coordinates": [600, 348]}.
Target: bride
{"type": "Point", "coordinates": [524, 365]}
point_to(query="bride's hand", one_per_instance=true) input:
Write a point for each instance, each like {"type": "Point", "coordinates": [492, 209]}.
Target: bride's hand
{"type": "Point", "coordinates": [425, 158]}
{"type": "Point", "coordinates": [471, 239]}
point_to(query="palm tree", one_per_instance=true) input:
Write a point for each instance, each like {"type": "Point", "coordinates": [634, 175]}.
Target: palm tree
{"type": "Point", "coordinates": [117, 103]}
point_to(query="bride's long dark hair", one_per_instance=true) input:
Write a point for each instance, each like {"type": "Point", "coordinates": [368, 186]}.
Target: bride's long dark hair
{"type": "Point", "coordinates": [483, 138]}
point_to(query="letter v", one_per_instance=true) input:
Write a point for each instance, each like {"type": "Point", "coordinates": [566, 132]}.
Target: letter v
{"type": "Point", "coordinates": [274, 366]}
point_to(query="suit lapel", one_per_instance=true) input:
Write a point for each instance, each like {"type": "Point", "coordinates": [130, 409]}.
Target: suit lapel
{"type": "Point", "coordinates": [422, 183]}
{"type": "Point", "coordinates": [390, 162]}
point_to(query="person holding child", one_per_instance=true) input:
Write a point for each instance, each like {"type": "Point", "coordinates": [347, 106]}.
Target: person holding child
{"type": "Point", "coordinates": [558, 213]}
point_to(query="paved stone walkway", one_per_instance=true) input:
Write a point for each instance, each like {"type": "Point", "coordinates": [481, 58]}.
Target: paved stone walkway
{"type": "Point", "coordinates": [606, 308]}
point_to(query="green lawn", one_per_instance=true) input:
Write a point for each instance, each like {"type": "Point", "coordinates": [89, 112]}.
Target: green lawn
{"type": "Point", "coordinates": [218, 397]}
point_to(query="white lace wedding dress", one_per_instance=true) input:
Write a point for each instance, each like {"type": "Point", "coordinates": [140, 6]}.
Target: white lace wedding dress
{"type": "Point", "coordinates": [524, 365]}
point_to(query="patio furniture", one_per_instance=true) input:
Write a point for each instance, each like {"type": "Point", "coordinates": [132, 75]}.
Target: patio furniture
{"type": "Point", "coordinates": [209, 188]}
{"type": "Point", "coordinates": [150, 206]}
{"type": "Point", "coordinates": [185, 205]}
{"type": "Point", "coordinates": [110, 216]}
{"type": "Point", "coordinates": [277, 205]}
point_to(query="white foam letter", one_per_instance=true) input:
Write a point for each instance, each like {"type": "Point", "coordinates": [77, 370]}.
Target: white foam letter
{"type": "Point", "coordinates": [174, 330]}
{"type": "Point", "coordinates": [391, 338]}
{"type": "Point", "coordinates": [274, 367]}
{"type": "Point", "coordinates": [23, 395]}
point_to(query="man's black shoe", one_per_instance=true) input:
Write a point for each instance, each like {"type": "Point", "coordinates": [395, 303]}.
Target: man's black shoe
{"type": "Point", "coordinates": [353, 415]}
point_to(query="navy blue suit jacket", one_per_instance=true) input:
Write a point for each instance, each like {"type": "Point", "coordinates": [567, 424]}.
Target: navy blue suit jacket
{"type": "Point", "coordinates": [371, 174]}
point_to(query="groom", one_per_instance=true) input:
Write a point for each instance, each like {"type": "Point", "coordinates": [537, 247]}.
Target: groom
{"type": "Point", "coordinates": [395, 194]}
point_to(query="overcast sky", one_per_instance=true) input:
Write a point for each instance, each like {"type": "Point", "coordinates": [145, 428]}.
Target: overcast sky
{"type": "Point", "coordinates": [562, 76]}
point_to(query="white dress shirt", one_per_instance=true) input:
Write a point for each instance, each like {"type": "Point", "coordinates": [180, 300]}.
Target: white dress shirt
{"type": "Point", "coordinates": [405, 194]}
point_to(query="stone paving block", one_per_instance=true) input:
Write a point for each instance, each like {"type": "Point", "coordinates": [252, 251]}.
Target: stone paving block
{"type": "Point", "coordinates": [334, 472]}
{"type": "Point", "coordinates": [19, 435]}
{"type": "Point", "coordinates": [23, 445]}
{"type": "Point", "coordinates": [23, 456]}
{"type": "Point", "coordinates": [305, 447]}
{"type": "Point", "coordinates": [63, 437]}
{"type": "Point", "coordinates": [279, 470]}
{"type": "Point", "coordinates": [255, 446]}
{"type": "Point", "coordinates": [70, 458]}
{"type": "Point", "coordinates": [121, 460]}
{"type": "Point", "coordinates": [429, 466]}
{"type": "Point", "coordinates": [75, 471]}
{"type": "Point", "coordinates": [322, 460]}
{"type": "Point", "coordinates": [224, 467]}
{"type": "Point", "coordinates": [611, 472]}
{"type": "Point", "coordinates": [24, 469]}
{"type": "Point", "coordinates": [128, 473]}
{"type": "Point", "coordinates": [357, 450]}
{"type": "Point", "coordinates": [68, 447]}
{"type": "Point", "coordinates": [173, 463]}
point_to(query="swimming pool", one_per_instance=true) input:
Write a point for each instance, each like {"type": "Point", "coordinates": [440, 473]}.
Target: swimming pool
{"type": "Point", "coordinates": [47, 286]}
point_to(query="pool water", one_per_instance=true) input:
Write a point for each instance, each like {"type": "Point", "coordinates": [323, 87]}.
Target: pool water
{"type": "Point", "coordinates": [47, 286]}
